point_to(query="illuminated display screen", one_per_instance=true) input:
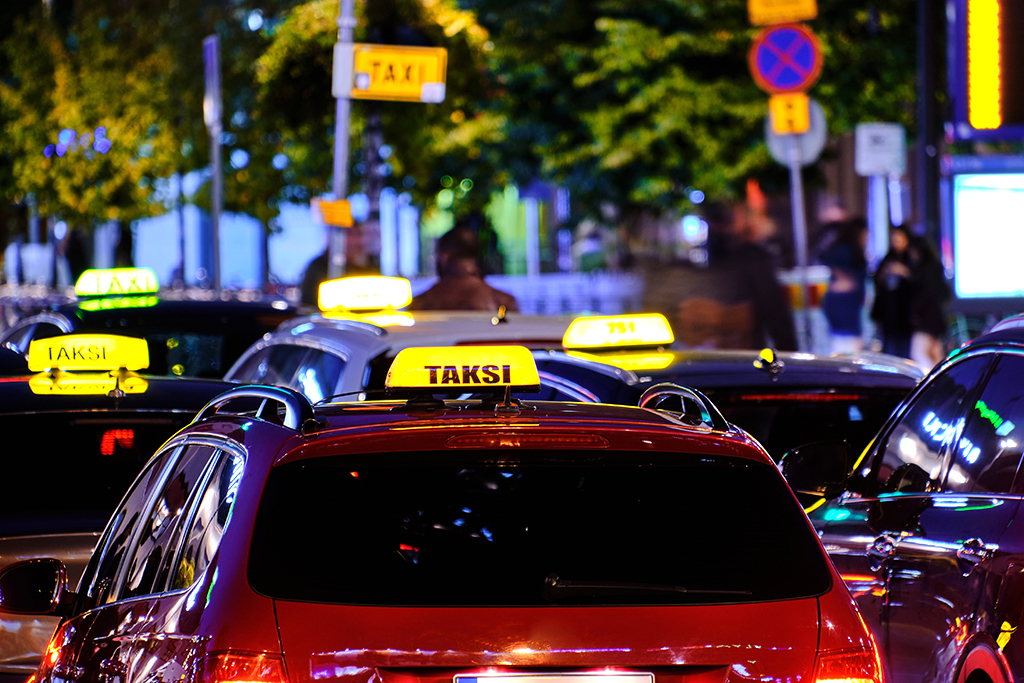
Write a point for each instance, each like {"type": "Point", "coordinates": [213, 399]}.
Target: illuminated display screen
{"type": "Point", "coordinates": [988, 235]}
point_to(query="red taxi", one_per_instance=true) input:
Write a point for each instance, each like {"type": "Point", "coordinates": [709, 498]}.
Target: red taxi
{"type": "Point", "coordinates": [430, 540]}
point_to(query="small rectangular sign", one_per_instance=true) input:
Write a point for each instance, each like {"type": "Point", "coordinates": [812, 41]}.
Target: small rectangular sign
{"type": "Point", "coordinates": [391, 72]}
{"type": "Point", "coordinates": [880, 149]}
{"type": "Point", "coordinates": [766, 12]}
{"type": "Point", "coordinates": [790, 113]}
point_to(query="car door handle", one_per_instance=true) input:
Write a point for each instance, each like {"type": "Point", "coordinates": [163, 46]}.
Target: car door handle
{"type": "Point", "coordinates": [973, 552]}
{"type": "Point", "coordinates": [881, 549]}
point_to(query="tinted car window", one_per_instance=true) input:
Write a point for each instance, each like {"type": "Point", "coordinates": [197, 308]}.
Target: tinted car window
{"type": "Point", "coordinates": [470, 531]}
{"type": "Point", "coordinates": [156, 532]}
{"type": "Point", "coordinates": [99, 576]}
{"type": "Point", "coordinates": [319, 374]}
{"type": "Point", "coordinates": [97, 456]}
{"type": "Point", "coordinates": [211, 517]}
{"type": "Point", "coordinates": [272, 365]}
{"type": "Point", "coordinates": [988, 452]}
{"type": "Point", "coordinates": [911, 456]}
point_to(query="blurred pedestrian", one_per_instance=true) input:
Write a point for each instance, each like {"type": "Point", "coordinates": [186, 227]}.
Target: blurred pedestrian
{"type": "Point", "coordinates": [844, 300]}
{"type": "Point", "coordinates": [461, 284]}
{"type": "Point", "coordinates": [891, 308]}
{"type": "Point", "coordinates": [929, 295]}
{"type": "Point", "coordinates": [754, 267]}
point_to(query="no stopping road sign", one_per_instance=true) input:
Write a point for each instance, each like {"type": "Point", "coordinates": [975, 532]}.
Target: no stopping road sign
{"type": "Point", "coordinates": [785, 58]}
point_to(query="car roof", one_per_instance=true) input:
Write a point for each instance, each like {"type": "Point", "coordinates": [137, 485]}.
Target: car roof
{"type": "Point", "coordinates": [162, 394]}
{"type": "Point", "coordinates": [736, 368]}
{"type": "Point", "coordinates": [390, 426]}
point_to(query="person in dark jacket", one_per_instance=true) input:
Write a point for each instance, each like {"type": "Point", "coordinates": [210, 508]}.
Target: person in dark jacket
{"type": "Point", "coordinates": [893, 294]}
{"type": "Point", "coordinates": [461, 285]}
{"type": "Point", "coordinates": [843, 304]}
{"type": "Point", "coordinates": [928, 297]}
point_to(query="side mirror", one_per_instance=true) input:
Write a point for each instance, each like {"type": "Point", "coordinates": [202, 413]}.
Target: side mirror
{"type": "Point", "coordinates": [34, 587]}
{"type": "Point", "coordinates": [818, 468]}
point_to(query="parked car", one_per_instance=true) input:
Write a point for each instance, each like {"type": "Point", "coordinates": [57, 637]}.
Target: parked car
{"type": "Point", "coordinates": [431, 539]}
{"type": "Point", "coordinates": [928, 532]}
{"type": "Point", "coordinates": [78, 427]}
{"type": "Point", "coordinates": [186, 337]}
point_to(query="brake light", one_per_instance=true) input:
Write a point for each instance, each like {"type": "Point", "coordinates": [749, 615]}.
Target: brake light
{"type": "Point", "coordinates": [238, 667]}
{"type": "Point", "coordinates": [516, 440]}
{"type": "Point", "coordinates": [125, 438]}
{"type": "Point", "coordinates": [858, 666]}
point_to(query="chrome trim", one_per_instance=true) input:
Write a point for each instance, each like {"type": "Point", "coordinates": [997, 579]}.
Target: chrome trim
{"type": "Point", "coordinates": [709, 412]}
{"type": "Point", "coordinates": [298, 409]}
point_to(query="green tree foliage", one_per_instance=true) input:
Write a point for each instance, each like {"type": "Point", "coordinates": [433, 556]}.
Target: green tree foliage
{"type": "Point", "coordinates": [428, 141]}
{"type": "Point", "coordinates": [633, 103]}
{"type": "Point", "coordinates": [115, 74]}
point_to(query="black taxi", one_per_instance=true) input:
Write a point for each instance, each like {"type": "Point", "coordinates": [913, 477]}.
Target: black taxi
{"type": "Point", "coordinates": [79, 422]}
{"type": "Point", "coordinates": [190, 337]}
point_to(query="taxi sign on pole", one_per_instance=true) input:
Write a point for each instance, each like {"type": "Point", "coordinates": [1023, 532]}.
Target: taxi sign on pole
{"type": "Point", "coordinates": [444, 368]}
{"type": "Point", "coordinates": [785, 58]}
{"type": "Point", "coordinates": [764, 12]}
{"type": "Point", "coordinates": [790, 113]}
{"type": "Point", "coordinates": [391, 72]}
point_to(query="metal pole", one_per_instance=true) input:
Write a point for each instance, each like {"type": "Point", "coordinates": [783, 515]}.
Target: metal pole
{"type": "Point", "coordinates": [796, 194]}
{"type": "Point", "coordinates": [212, 114]}
{"type": "Point", "coordinates": [343, 114]}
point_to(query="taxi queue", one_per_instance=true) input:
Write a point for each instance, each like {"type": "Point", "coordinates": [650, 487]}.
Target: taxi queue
{"type": "Point", "coordinates": [628, 350]}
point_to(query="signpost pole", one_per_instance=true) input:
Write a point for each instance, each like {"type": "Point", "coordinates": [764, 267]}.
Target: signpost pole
{"type": "Point", "coordinates": [212, 115]}
{"type": "Point", "coordinates": [343, 114]}
{"type": "Point", "coordinates": [796, 194]}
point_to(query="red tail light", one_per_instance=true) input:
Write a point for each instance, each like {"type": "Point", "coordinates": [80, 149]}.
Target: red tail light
{"type": "Point", "coordinates": [239, 667]}
{"type": "Point", "coordinates": [857, 666]}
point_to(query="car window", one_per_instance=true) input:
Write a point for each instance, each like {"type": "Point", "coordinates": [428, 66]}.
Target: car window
{"type": "Point", "coordinates": [165, 513]}
{"type": "Point", "coordinates": [98, 580]}
{"type": "Point", "coordinates": [910, 459]}
{"type": "Point", "coordinates": [273, 365]}
{"type": "Point", "coordinates": [319, 374]}
{"type": "Point", "coordinates": [204, 532]}
{"type": "Point", "coordinates": [464, 528]}
{"type": "Point", "coordinates": [988, 452]}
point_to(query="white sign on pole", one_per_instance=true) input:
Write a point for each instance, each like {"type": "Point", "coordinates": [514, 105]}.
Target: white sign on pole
{"type": "Point", "coordinates": [880, 149]}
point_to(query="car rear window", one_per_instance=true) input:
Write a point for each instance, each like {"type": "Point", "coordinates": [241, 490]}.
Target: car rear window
{"type": "Point", "coordinates": [66, 472]}
{"type": "Point", "coordinates": [528, 528]}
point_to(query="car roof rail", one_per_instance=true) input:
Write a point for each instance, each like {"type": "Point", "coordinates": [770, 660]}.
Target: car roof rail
{"type": "Point", "coordinates": [709, 413]}
{"type": "Point", "coordinates": [298, 411]}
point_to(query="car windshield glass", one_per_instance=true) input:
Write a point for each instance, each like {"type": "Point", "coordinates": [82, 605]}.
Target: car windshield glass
{"type": "Point", "coordinates": [784, 419]}
{"type": "Point", "coordinates": [67, 471]}
{"type": "Point", "coordinates": [532, 529]}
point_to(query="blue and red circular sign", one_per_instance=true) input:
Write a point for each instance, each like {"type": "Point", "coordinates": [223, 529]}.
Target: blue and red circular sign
{"type": "Point", "coordinates": [785, 58]}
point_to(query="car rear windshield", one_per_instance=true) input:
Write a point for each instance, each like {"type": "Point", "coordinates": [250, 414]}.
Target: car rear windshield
{"type": "Point", "coordinates": [66, 472]}
{"type": "Point", "coordinates": [527, 528]}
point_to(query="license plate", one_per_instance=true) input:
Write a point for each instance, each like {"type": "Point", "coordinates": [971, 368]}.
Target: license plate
{"type": "Point", "coordinates": [556, 678]}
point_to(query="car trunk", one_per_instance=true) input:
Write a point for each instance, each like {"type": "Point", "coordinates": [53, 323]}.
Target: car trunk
{"type": "Point", "coordinates": [773, 641]}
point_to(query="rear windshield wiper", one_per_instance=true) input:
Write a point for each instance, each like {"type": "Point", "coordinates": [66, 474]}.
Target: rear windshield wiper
{"type": "Point", "coordinates": [555, 586]}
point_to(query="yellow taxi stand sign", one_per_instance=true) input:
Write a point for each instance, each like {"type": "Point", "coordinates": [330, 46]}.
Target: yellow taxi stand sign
{"type": "Point", "coordinates": [602, 332]}
{"type": "Point", "coordinates": [474, 368]}
{"type": "Point", "coordinates": [763, 12]}
{"type": "Point", "coordinates": [364, 293]}
{"type": "Point", "coordinates": [87, 364]}
{"type": "Point", "coordinates": [337, 213]}
{"type": "Point", "coordinates": [398, 72]}
{"type": "Point", "coordinates": [117, 282]}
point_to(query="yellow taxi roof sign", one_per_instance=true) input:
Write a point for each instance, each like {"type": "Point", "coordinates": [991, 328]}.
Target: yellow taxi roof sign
{"type": "Point", "coordinates": [445, 368]}
{"type": "Point", "coordinates": [618, 331]}
{"type": "Point", "coordinates": [87, 383]}
{"type": "Point", "coordinates": [88, 352]}
{"type": "Point", "coordinates": [364, 293]}
{"type": "Point", "coordinates": [634, 361]}
{"type": "Point", "coordinates": [117, 282]}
